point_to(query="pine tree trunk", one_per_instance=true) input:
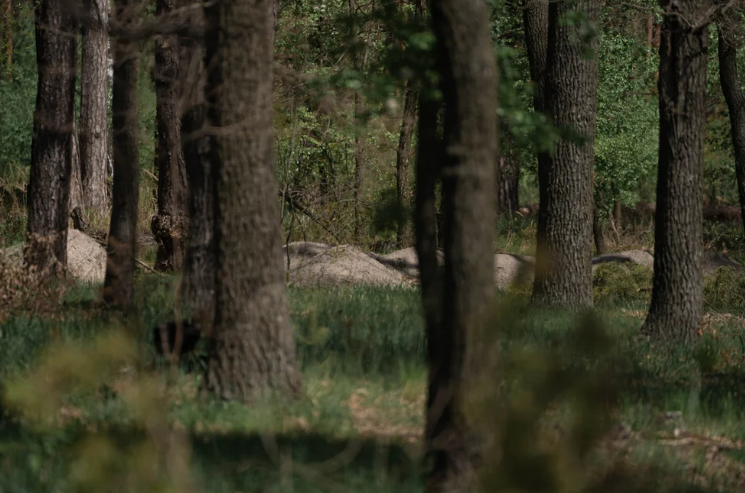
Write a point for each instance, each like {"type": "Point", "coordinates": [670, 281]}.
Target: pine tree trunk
{"type": "Point", "coordinates": [169, 226]}
{"type": "Point", "coordinates": [564, 250]}
{"type": "Point", "coordinates": [403, 157]}
{"type": "Point", "coordinates": [119, 279]}
{"type": "Point", "coordinates": [94, 106]}
{"type": "Point", "coordinates": [676, 306]}
{"type": "Point", "coordinates": [468, 70]}
{"type": "Point", "coordinates": [198, 281]}
{"type": "Point", "coordinates": [51, 147]}
{"type": "Point", "coordinates": [254, 349]}
{"type": "Point", "coordinates": [731, 88]}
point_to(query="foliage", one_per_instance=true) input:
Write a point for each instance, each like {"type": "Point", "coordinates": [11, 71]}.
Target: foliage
{"type": "Point", "coordinates": [725, 291]}
{"type": "Point", "coordinates": [615, 282]}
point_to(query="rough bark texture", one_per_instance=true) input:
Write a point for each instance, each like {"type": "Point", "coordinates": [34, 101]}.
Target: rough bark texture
{"type": "Point", "coordinates": [676, 305]}
{"type": "Point", "coordinates": [564, 249]}
{"type": "Point", "coordinates": [254, 348]}
{"type": "Point", "coordinates": [729, 79]}
{"type": "Point", "coordinates": [359, 141]}
{"type": "Point", "coordinates": [403, 158]}
{"type": "Point", "coordinates": [170, 225]}
{"type": "Point", "coordinates": [597, 231]}
{"type": "Point", "coordinates": [535, 23]}
{"type": "Point", "coordinates": [77, 196]}
{"type": "Point", "coordinates": [198, 281]}
{"type": "Point", "coordinates": [468, 70]}
{"type": "Point", "coordinates": [93, 106]}
{"type": "Point", "coordinates": [51, 151]}
{"type": "Point", "coordinates": [119, 279]}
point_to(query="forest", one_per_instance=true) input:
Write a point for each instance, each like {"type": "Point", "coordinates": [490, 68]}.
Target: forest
{"type": "Point", "coordinates": [372, 245]}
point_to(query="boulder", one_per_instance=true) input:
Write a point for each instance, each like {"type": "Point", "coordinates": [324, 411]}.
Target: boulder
{"type": "Point", "coordinates": [713, 260]}
{"type": "Point", "coordinates": [640, 257]}
{"type": "Point", "coordinates": [344, 265]}
{"type": "Point", "coordinates": [86, 258]}
{"type": "Point", "coordinates": [510, 269]}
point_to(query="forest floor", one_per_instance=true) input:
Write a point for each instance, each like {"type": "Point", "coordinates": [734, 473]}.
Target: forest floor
{"type": "Point", "coordinates": [578, 402]}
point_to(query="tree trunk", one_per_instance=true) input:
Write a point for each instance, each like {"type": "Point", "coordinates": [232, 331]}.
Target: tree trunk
{"type": "Point", "coordinates": [198, 281]}
{"type": "Point", "coordinates": [508, 181]}
{"type": "Point", "coordinates": [597, 231]}
{"type": "Point", "coordinates": [468, 70]}
{"type": "Point", "coordinates": [359, 141]}
{"type": "Point", "coordinates": [676, 306]}
{"type": "Point", "coordinates": [403, 157]}
{"type": "Point", "coordinates": [254, 349]}
{"type": "Point", "coordinates": [170, 224]}
{"type": "Point", "coordinates": [51, 147]}
{"type": "Point", "coordinates": [94, 96]}
{"type": "Point", "coordinates": [564, 250]}
{"type": "Point", "coordinates": [735, 102]}
{"type": "Point", "coordinates": [535, 23]}
{"type": "Point", "coordinates": [77, 196]}
{"type": "Point", "coordinates": [119, 279]}
{"type": "Point", "coordinates": [7, 40]}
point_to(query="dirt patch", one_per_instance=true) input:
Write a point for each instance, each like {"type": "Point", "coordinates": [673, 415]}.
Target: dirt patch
{"type": "Point", "coordinates": [302, 251]}
{"type": "Point", "coordinates": [510, 269]}
{"type": "Point", "coordinates": [345, 265]}
{"type": "Point", "coordinates": [86, 258]}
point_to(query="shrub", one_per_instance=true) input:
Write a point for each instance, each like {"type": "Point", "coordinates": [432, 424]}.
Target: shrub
{"type": "Point", "coordinates": [621, 282]}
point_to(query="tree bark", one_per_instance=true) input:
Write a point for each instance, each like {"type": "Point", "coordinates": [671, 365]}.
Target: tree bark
{"type": "Point", "coordinates": [597, 231]}
{"type": "Point", "coordinates": [94, 106]}
{"type": "Point", "coordinates": [77, 196]}
{"type": "Point", "coordinates": [468, 70]}
{"type": "Point", "coordinates": [169, 226]}
{"type": "Point", "coordinates": [198, 281]}
{"type": "Point", "coordinates": [508, 181]}
{"type": "Point", "coordinates": [254, 349]}
{"type": "Point", "coordinates": [564, 249]}
{"type": "Point", "coordinates": [730, 82]}
{"type": "Point", "coordinates": [676, 306]}
{"type": "Point", "coordinates": [403, 157]}
{"type": "Point", "coordinates": [359, 141]}
{"type": "Point", "coordinates": [119, 279]}
{"type": "Point", "coordinates": [51, 147]}
{"type": "Point", "coordinates": [535, 23]}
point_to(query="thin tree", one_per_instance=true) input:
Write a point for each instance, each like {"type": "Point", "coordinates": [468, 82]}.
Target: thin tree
{"type": "Point", "coordinates": [170, 223]}
{"type": "Point", "coordinates": [253, 348]}
{"type": "Point", "coordinates": [198, 281]}
{"type": "Point", "coordinates": [731, 88]}
{"type": "Point", "coordinates": [468, 71]}
{"type": "Point", "coordinates": [403, 157]}
{"type": "Point", "coordinates": [51, 147]}
{"type": "Point", "coordinates": [676, 306]}
{"type": "Point", "coordinates": [119, 279]}
{"type": "Point", "coordinates": [359, 140]}
{"type": "Point", "coordinates": [564, 247]}
{"type": "Point", "coordinates": [94, 91]}
{"type": "Point", "coordinates": [508, 178]}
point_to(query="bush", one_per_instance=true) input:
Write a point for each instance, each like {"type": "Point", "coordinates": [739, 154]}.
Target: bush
{"type": "Point", "coordinates": [725, 291]}
{"type": "Point", "coordinates": [614, 282]}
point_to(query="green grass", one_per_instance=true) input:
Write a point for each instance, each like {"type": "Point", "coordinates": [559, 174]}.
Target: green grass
{"type": "Point", "coordinates": [362, 353]}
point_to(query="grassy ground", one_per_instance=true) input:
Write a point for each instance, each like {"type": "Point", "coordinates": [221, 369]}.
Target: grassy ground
{"type": "Point", "coordinates": [677, 414]}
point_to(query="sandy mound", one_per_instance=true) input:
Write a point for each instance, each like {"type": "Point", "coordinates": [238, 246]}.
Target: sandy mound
{"type": "Point", "coordinates": [405, 261]}
{"type": "Point", "coordinates": [344, 265]}
{"type": "Point", "coordinates": [639, 257]}
{"type": "Point", "coordinates": [86, 259]}
{"type": "Point", "coordinates": [509, 269]}
{"type": "Point", "coordinates": [714, 260]}
{"type": "Point", "coordinates": [301, 251]}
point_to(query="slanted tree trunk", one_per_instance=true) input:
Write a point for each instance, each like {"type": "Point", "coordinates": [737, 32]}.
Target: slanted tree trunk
{"type": "Point", "coordinates": [119, 279]}
{"type": "Point", "coordinates": [254, 348]}
{"type": "Point", "coordinates": [676, 306]}
{"type": "Point", "coordinates": [735, 101]}
{"type": "Point", "coordinates": [468, 71]}
{"type": "Point", "coordinates": [169, 226]}
{"type": "Point", "coordinates": [94, 106]}
{"type": "Point", "coordinates": [198, 281]}
{"type": "Point", "coordinates": [403, 157]}
{"type": "Point", "coordinates": [564, 249]}
{"type": "Point", "coordinates": [51, 147]}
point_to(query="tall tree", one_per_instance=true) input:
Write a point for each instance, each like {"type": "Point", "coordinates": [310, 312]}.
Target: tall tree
{"type": "Point", "coordinates": [170, 224]}
{"type": "Point", "coordinates": [198, 281]}
{"type": "Point", "coordinates": [508, 179]}
{"type": "Point", "coordinates": [51, 147]}
{"type": "Point", "coordinates": [675, 310]}
{"type": "Point", "coordinates": [254, 347]}
{"type": "Point", "coordinates": [731, 88]}
{"type": "Point", "coordinates": [119, 279]}
{"type": "Point", "coordinates": [403, 157]}
{"type": "Point", "coordinates": [94, 106]}
{"type": "Point", "coordinates": [359, 57]}
{"type": "Point", "coordinates": [468, 69]}
{"type": "Point", "coordinates": [564, 249]}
